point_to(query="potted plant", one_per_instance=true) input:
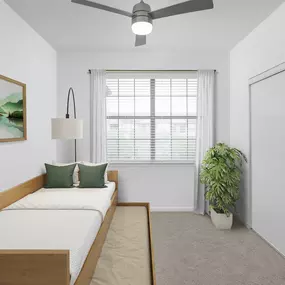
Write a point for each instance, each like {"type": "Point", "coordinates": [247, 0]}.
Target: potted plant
{"type": "Point", "coordinates": [221, 173]}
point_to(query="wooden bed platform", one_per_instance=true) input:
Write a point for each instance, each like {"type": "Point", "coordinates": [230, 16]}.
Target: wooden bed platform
{"type": "Point", "coordinates": [49, 267]}
{"type": "Point", "coordinates": [130, 237]}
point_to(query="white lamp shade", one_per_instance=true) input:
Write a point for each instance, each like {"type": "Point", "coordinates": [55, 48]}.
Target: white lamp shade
{"type": "Point", "coordinates": [66, 129]}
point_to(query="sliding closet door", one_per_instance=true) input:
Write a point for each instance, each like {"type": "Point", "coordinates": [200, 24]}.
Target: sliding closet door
{"type": "Point", "coordinates": [268, 159]}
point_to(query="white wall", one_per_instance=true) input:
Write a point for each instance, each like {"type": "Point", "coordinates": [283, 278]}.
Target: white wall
{"type": "Point", "coordinates": [167, 187]}
{"type": "Point", "coordinates": [26, 57]}
{"type": "Point", "coordinates": [263, 49]}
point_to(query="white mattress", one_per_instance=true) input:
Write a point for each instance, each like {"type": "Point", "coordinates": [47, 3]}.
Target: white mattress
{"type": "Point", "coordinates": [110, 189]}
{"type": "Point", "coordinates": [51, 229]}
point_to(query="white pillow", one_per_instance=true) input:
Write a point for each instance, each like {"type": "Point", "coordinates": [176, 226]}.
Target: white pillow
{"type": "Point", "coordinates": [75, 173]}
{"type": "Point", "coordinates": [95, 164]}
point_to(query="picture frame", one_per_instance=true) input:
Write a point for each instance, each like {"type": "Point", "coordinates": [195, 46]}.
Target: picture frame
{"type": "Point", "coordinates": [13, 113]}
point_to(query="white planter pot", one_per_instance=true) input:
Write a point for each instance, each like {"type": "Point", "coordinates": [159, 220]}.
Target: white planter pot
{"type": "Point", "coordinates": [221, 221]}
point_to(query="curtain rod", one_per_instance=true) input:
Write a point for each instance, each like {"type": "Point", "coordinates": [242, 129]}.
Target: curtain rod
{"type": "Point", "coordinates": [152, 70]}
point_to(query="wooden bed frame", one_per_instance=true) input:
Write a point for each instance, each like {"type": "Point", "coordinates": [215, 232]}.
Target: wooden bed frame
{"type": "Point", "coordinates": [49, 267]}
{"type": "Point", "coordinates": [147, 206]}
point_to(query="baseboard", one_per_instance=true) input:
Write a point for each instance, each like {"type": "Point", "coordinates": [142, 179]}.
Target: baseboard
{"type": "Point", "coordinates": [172, 209]}
{"type": "Point", "coordinates": [237, 216]}
{"type": "Point", "coordinates": [270, 244]}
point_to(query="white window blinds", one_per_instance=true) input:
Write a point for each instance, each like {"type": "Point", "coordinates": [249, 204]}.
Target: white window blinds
{"type": "Point", "coordinates": [151, 117]}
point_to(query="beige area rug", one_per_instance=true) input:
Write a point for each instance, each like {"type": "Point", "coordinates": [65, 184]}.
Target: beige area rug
{"type": "Point", "coordinates": [190, 251]}
{"type": "Point", "coordinates": [125, 258]}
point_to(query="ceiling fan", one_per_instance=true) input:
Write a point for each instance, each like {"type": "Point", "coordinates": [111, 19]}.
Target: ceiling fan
{"type": "Point", "coordinates": [142, 16]}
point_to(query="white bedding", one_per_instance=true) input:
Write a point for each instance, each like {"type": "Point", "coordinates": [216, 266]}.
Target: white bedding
{"type": "Point", "coordinates": [63, 200]}
{"type": "Point", "coordinates": [96, 199]}
{"type": "Point", "coordinates": [51, 229]}
{"type": "Point", "coordinates": [109, 190]}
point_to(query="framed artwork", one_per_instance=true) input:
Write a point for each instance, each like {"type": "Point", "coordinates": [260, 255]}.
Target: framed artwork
{"type": "Point", "coordinates": [13, 126]}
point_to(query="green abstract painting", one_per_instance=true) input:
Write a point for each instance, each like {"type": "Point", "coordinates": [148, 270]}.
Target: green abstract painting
{"type": "Point", "coordinates": [12, 110]}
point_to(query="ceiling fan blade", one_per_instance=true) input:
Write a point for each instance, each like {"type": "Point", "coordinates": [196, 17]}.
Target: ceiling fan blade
{"type": "Point", "coordinates": [102, 7]}
{"type": "Point", "coordinates": [182, 8]}
{"type": "Point", "coordinates": [140, 40]}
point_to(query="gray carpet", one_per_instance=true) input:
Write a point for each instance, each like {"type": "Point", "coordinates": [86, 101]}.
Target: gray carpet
{"type": "Point", "coordinates": [189, 250]}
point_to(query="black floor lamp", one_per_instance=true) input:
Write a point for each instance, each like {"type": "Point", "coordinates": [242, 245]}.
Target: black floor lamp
{"type": "Point", "coordinates": [68, 128]}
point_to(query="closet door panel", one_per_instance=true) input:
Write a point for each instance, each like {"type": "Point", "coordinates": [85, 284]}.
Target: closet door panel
{"type": "Point", "coordinates": [268, 159]}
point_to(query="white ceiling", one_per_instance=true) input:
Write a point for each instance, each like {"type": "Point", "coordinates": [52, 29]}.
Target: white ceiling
{"type": "Point", "coordinates": [72, 27]}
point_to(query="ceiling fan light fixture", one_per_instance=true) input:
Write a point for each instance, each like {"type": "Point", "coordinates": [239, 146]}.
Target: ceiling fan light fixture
{"type": "Point", "coordinates": [141, 20]}
{"type": "Point", "coordinates": [142, 28]}
{"type": "Point", "coordinates": [142, 15]}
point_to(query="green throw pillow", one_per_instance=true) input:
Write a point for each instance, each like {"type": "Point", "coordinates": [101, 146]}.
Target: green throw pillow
{"type": "Point", "coordinates": [92, 176]}
{"type": "Point", "coordinates": [59, 176]}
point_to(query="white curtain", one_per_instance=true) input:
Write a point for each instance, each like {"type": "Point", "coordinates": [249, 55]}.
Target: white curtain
{"type": "Point", "coordinates": [98, 132]}
{"type": "Point", "coordinates": [205, 131]}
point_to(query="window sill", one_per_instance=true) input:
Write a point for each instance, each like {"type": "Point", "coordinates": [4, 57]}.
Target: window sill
{"type": "Point", "coordinates": [147, 163]}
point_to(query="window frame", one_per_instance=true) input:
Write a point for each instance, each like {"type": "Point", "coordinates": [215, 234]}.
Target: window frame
{"type": "Point", "coordinates": [152, 76]}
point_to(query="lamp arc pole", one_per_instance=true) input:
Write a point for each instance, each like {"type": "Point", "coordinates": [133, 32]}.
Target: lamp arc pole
{"type": "Point", "coordinates": [67, 116]}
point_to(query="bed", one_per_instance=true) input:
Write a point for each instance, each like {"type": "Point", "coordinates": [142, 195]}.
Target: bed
{"type": "Point", "coordinates": [53, 253]}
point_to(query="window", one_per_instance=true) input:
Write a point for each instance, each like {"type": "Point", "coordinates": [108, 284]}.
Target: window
{"type": "Point", "coordinates": [151, 117]}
